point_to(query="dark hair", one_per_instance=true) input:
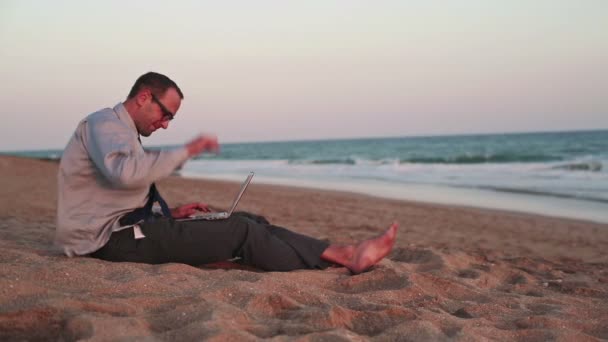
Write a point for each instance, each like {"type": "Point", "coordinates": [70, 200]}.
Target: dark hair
{"type": "Point", "coordinates": [157, 83]}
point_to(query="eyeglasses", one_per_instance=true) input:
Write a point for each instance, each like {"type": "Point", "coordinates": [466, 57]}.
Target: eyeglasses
{"type": "Point", "coordinates": [167, 115]}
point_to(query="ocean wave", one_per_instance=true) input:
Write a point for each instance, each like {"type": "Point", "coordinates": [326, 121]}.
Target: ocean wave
{"type": "Point", "coordinates": [343, 161]}
{"type": "Point", "coordinates": [339, 161]}
{"type": "Point", "coordinates": [544, 193]}
{"type": "Point", "coordinates": [592, 166]}
{"type": "Point", "coordinates": [483, 159]}
{"type": "Point", "coordinates": [468, 159]}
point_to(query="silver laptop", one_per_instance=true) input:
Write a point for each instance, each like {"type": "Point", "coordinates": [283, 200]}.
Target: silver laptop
{"type": "Point", "coordinates": [225, 214]}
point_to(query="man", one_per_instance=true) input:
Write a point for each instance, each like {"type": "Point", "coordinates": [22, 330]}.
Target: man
{"type": "Point", "coordinates": [106, 195]}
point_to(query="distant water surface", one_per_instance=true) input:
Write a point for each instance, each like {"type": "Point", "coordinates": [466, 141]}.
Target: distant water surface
{"type": "Point", "coordinates": [557, 173]}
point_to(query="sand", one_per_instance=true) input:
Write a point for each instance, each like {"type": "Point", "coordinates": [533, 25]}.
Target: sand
{"type": "Point", "coordinates": [455, 274]}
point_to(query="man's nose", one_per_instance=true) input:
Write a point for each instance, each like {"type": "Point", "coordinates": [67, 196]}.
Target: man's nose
{"type": "Point", "coordinates": [164, 124]}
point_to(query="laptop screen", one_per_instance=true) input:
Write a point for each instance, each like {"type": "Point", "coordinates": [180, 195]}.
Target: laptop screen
{"type": "Point", "coordinates": [240, 194]}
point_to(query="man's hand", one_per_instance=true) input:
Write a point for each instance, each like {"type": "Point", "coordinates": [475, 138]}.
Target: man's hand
{"type": "Point", "coordinates": [201, 144]}
{"type": "Point", "coordinates": [186, 210]}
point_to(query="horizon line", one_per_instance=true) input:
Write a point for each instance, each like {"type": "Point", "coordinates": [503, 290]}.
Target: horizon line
{"type": "Point", "coordinates": [366, 138]}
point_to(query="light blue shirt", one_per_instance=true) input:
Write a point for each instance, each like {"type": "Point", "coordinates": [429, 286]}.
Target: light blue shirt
{"type": "Point", "coordinates": [105, 173]}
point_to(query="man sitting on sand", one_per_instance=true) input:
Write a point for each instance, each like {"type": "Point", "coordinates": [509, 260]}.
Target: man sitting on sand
{"type": "Point", "coordinates": [106, 192]}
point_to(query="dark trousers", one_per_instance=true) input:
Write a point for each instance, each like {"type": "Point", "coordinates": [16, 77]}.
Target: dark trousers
{"type": "Point", "coordinates": [243, 235]}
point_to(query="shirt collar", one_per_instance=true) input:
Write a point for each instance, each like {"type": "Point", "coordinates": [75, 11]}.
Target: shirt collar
{"type": "Point", "coordinates": [124, 116]}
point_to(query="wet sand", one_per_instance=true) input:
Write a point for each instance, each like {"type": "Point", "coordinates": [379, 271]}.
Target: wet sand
{"type": "Point", "coordinates": [455, 274]}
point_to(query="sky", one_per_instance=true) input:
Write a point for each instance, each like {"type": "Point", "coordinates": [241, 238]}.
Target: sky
{"type": "Point", "coordinates": [299, 70]}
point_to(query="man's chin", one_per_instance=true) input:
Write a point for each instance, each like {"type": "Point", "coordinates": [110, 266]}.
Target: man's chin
{"type": "Point", "coordinates": [149, 133]}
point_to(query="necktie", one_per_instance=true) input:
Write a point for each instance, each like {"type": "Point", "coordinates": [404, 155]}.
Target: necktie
{"type": "Point", "coordinates": [145, 212]}
{"type": "Point", "coordinates": [156, 197]}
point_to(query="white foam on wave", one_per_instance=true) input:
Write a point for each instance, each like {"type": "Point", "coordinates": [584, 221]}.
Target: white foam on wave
{"type": "Point", "coordinates": [483, 185]}
{"type": "Point", "coordinates": [549, 206]}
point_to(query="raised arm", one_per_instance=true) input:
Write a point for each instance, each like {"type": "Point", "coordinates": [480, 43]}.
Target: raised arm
{"type": "Point", "coordinates": [121, 159]}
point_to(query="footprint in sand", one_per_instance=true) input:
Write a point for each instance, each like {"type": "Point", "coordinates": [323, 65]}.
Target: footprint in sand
{"type": "Point", "coordinates": [468, 273]}
{"type": "Point", "coordinates": [598, 330]}
{"type": "Point", "coordinates": [515, 279]}
{"type": "Point", "coordinates": [38, 324]}
{"type": "Point", "coordinates": [271, 304]}
{"type": "Point", "coordinates": [543, 309]}
{"type": "Point", "coordinates": [517, 283]}
{"type": "Point", "coordinates": [378, 280]}
{"type": "Point", "coordinates": [462, 313]}
{"type": "Point", "coordinates": [427, 260]}
{"type": "Point", "coordinates": [179, 313]}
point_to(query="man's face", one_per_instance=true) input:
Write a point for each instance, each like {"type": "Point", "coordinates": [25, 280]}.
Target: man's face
{"type": "Point", "coordinates": [157, 111]}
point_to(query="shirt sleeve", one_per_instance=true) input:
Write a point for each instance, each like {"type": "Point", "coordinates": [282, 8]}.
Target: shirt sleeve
{"type": "Point", "coordinates": [118, 155]}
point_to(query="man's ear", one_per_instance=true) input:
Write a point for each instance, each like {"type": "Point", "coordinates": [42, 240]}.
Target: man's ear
{"type": "Point", "coordinates": [142, 97]}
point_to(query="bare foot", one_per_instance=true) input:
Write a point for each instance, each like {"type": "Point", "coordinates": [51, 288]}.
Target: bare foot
{"type": "Point", "coordinates": [364, 255]}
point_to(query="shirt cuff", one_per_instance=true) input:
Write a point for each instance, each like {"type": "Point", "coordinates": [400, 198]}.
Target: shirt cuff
{"type": "Point", "coordinates": [137, 233]}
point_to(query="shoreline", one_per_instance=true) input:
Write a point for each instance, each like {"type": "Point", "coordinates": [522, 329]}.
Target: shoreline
{"type": "Point", "coordinates": [521, 202]}
{"type": "Point", "coordinates": [486, 199]}
{"type": "Point", "coordinates": [555, 207]}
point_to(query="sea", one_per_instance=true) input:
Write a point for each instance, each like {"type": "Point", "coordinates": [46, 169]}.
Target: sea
{"type": "Point", "coordinates": [561, 174]}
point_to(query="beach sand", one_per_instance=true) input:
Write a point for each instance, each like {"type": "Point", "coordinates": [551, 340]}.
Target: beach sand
{"type": "Point", "coordinates": [454, 274]}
